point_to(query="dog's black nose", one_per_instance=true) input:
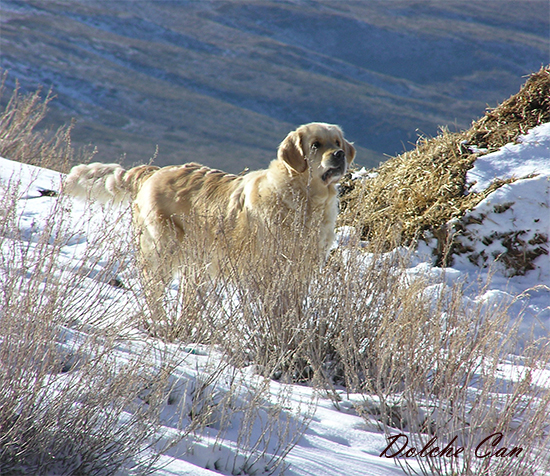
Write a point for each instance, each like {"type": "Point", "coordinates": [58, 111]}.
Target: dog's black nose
{"type": "Point", "coordinates": [339, 155]}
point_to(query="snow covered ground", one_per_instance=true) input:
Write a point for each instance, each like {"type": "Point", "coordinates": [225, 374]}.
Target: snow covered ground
{"type": "Point", "coordinates": [336, 440]}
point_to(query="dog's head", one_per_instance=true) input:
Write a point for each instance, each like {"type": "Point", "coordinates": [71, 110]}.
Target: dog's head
{"type": "Point", "coordinates": [319, 147]}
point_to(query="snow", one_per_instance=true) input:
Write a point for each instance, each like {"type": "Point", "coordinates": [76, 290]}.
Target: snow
{"type": "Point", "coordinates": [531, 155]}
{"type": "Point", "coordinates": [336, 440]}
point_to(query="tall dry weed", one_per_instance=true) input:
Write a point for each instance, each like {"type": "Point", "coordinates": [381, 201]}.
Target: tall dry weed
{"type": "Point", "coordinates": [21, 139]}
{"type": "Point", "coordinates": [66, 405]}
{"type": "Point", "coordinates": [433, 362]}
{"type": "Point", "coordinates": [431, 358]}
{"type": "Point", "coordinates": [74, 404]}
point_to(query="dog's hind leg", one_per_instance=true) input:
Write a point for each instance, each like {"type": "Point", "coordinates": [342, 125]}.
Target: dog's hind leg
{"type": "Point", "coordinates": [159, 254]}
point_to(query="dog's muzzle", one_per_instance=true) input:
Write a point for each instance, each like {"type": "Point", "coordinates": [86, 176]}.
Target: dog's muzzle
{"type": "Point", "coordinates": [336, 167]}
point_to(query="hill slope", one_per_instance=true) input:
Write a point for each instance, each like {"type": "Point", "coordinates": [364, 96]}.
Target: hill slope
{"type": "Point", "coordinates": [426, 192]}
{"type": "Point", "coordinates": [223, 82]}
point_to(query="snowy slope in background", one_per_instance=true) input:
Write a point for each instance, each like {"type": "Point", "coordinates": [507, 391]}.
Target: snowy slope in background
{"type": "Point", "coordinates": [337, 442]}
{"type": "Point", "coordinates": [225, 81]}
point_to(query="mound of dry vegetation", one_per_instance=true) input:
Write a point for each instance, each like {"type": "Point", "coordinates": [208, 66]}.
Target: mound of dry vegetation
{"type": "Point", "coordinates": [424, 188]}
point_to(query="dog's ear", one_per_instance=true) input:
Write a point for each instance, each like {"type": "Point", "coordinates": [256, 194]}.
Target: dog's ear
{"type": "Point", "coordinates": [349, 150]}
{"type": "Point", "coordinates": [291, 152]}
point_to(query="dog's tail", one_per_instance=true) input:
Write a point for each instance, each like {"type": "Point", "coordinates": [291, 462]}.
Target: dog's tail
{"type": "Point", "coordinates": [106, 182]}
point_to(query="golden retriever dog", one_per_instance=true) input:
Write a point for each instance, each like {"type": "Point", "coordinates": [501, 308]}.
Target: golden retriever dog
{"type": "Point", "coordinates": [231, 218]}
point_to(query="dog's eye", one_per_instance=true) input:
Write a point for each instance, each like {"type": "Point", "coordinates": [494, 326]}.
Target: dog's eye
{"type": "Point", "coordinates": [316, 145]}
{"type": "Point", "coordinates": [337, 143]}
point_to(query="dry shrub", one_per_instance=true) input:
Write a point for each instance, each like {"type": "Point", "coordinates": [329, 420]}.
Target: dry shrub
{"type": "Point", "coordinates": [87, 394]}
{"type": "Point", "coordinates": [66, 406]}
{"type": "Point", "coordinates": [240, 423]}
{"type": "Point", "coordinates": [284, 316]}
{"type": "Point", "coordinates": [428, 361]}
{"type": "Point", "coordinates": [431, 362]}
{"type": "Point", "coordinates": [20, 140]}
{"type": "Point", "coordinates": [256, 310]}
{"type": "Point", "coordinates": [459, 387]}
{"type": "Point", "coordinates": [424, 188]}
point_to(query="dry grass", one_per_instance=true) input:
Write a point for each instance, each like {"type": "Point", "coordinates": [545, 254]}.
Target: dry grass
{"type": "Point", "coordinates": [65, 407]}
{"type": "Point", "coordinates": [427, 361]}
{"type": "Point", "coordinates": [423, 189]}
{"type": "Point", "coordinates": [259, 316]}
{"type": "Point", "coordinates": [21, 140]}
{"type": "Point", "coordinates": [86, 393]}
{"type": "Point", "coordinates": [431, 364]}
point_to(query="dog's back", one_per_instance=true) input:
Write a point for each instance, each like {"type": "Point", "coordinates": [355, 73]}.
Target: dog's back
{"type": "Point", "coordinates": [106, 182]}
{"type": "Point", "coordinates": [168, 203]}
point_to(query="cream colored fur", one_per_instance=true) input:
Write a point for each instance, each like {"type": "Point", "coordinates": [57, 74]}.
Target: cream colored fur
{"type": "Point", "coordinates": [178, 209]}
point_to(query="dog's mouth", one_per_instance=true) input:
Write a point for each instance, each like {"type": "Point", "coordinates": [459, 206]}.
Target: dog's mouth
{"type": "Point", "coordinates": [333, 174]}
